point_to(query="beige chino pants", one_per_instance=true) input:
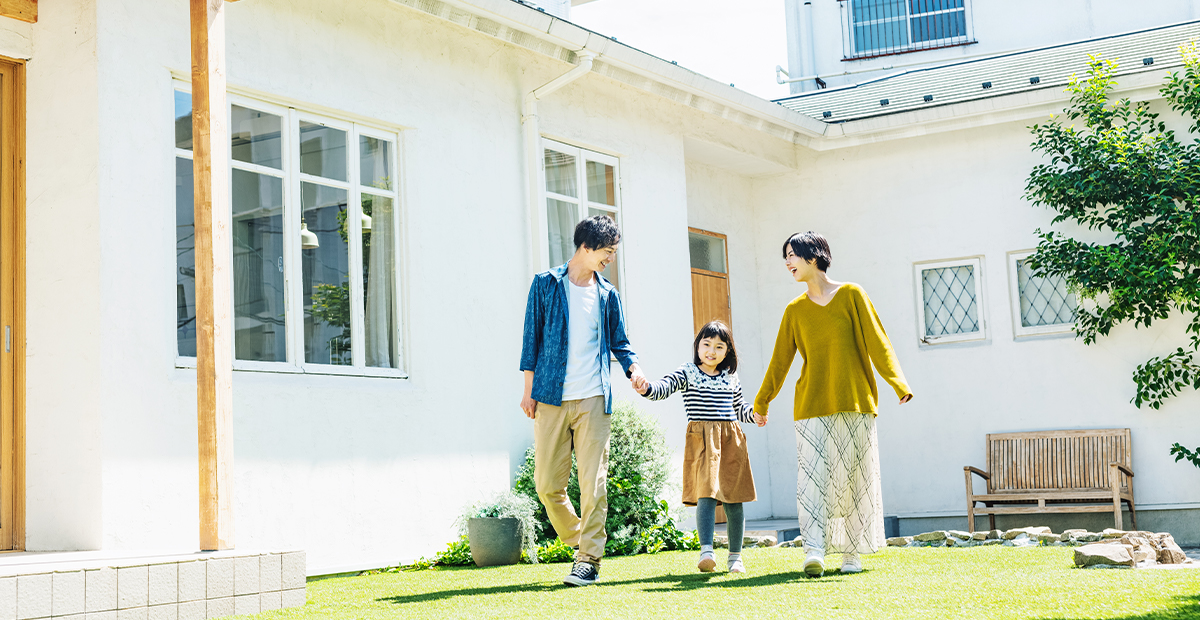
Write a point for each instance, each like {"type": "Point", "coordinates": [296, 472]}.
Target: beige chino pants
{"type": "Point", "coordinates": [583, 426]}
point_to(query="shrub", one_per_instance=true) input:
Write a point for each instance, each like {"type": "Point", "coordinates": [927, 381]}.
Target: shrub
{"type": "Point", "coordinates": [506, 504]}
{"type": "Point", "coordinates": [638, 468]}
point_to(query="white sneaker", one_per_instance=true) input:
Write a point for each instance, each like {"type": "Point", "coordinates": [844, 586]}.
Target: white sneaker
{"type": "Point", "coordinates": [707, 563]}
{"type": "Point", "coordinates": [736, 566]}
{"type": "Point", "coordinates": [851, 563]}
{"type": "Point", "coordinates": [814, 564]}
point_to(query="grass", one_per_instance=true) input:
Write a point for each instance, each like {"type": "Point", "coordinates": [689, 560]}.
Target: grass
{"type": "Point", "coordinates": [981, 582]}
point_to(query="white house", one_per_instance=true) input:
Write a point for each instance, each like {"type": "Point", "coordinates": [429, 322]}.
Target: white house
{"type": "Point", "coordinates": [385, 234]}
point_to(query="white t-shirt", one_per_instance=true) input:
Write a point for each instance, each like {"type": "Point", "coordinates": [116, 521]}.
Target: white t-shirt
{"type": "Point", "coordinates": [583, 342]}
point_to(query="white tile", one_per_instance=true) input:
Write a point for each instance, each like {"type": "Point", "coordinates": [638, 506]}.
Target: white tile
{"type": "Point", "coordinates": [270, 600]}
{"type": "Point", "coordinates": [245, 576]}
{"type": "Point", "coordinates": [133, 586]}
{"type": "Point", "coordinates": [100, 590]}
{"type": "Point", "coordinates": [71, 617]}
{"type": "Point", "coordinates": [219, 575]}
{"type": "Point", "coordinates": [136, 613]}
{"type": "Point", "coordinates": [220, 607]}
{"type": "Point", "coordinates": [164, 584]}
{"type": "Point", "coordinates": [8, 598]}
{"type": "Point", "coordinates": [68, 593]}
{"type": "Point", "coordinates": [270, 572]}
{"type": "Point", "coordinates": [293, 570]}
{"type": "Point", "coordinates": [169, 611]}
{"type": "Point", "coordinates": [193, 581]}
{"type": "Point", "coordinates": [33, 596]}
{"type": "Point", "coordinates": [247, 604]}
{"type": "Point", "coordinates": [102, 615]}
{"type": "Point", "coordinates": [193, 610]}
{"type": "Point", "coordinates": [294, 598]}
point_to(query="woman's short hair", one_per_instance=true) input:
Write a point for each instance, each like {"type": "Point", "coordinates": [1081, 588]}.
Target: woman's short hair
{"type": "Point", "coordinates": [597, 232]}
{"type": "Point", "coordinates": [809, 246]}
{"type": "Point", "coordinates": [717, 329]}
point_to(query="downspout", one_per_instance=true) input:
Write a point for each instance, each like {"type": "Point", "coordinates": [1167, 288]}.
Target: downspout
{"type": "Point", "coordinates": [810, 46]}
{"type": "Point", "coordinates": [532, 136]}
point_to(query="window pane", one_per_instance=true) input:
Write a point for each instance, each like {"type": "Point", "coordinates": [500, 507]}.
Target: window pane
{"type": "Point", "coordinates": [185, 258]}
{"type": "Point", "coordinates": [379, 281]}
{"type": "Point", "coordinates": [322, 151]}
{"type": "Point", "coordinates": [256, 137]}
{"type": "Point", "coordinates": [561, 175]}
{"type": "Point", "coordinates": [602, 183]}
{"type": "Point", "coordinates": [929, 6]}
{"type": "Point", "coordinates": [375, 166]}
{"type": "Point", "coordinates": [258, 293]}
{"type": "Point", "coordinates": [1044, 300]}
{"type": "Point", "coordinates": [883, 35]}
{"type": "Point", "coordinates": [326, 286]}
{"type": "Point", "coordinates": [612, 271]}
{"type": "Point", "coordinates": [708, 252]}
{"type": "Point", "coordinates": [561, 218]}
{"type": "Point", "coordinates": [950, 304]}
{"type": "Point", "coordinates": [871, 10]}
{"type": "Point", "coordinates": [939, 26]}
{"type": "Point", "coordinates": [183, 120]}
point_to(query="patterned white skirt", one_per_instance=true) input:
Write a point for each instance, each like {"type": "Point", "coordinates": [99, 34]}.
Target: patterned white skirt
{"type": "Point", "coordinates": [838, 492]}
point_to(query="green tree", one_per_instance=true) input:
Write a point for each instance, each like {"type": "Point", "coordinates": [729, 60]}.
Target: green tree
{"type": "Point", "coordinates": [1123, 172]}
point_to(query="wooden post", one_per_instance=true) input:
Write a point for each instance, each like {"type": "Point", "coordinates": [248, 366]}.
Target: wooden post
{"type": "Point", "coordinates": [214, 291]}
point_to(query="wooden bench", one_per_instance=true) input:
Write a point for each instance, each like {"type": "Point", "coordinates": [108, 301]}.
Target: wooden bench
{"type": "Point", "coordinates": [1054, 471]}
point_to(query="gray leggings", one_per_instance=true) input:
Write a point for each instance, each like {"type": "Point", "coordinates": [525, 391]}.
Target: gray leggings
{"type": "Point", "coordinates": [706, 517]}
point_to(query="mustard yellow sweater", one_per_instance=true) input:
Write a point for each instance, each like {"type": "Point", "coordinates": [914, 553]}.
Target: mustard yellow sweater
{"type": "Point", "coordinates": [838, 342]}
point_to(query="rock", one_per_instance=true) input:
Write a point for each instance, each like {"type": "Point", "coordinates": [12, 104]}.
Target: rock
{"type": "Point", "coordinates": [721, 542]}
{"type": "Point", "coordinates": [758, 541]}
{"type": "Point", "coordinates": [1103, 555]}
{"type": "Point", "coordinates": [960, 535]}
{"type": "Point", "coordinates": [992, 541]}
{"type": "Point", "coordinates": [980, 536]}
{"type": "Point", "coordinates": [1073, 532]}
{"type": "Point", "coordinates": [1086, 537]}
{"type": "Point", "coordinates": [1031, 531]}
{"type": "Point", "coordinates": [899, 541]}
{"type": "Point", "coordinates": [952, 541]}
{"type": "Point", "coordinates": [930, 536]}
{"type": "Point", "coordinates": [1171, 556]}
{"type": "Point", "coordinates": [1112, 533]}
{"type": "Point", "coordinates": [1048, 538]}
{"type": "Point", "coordinates": [1022, 540]}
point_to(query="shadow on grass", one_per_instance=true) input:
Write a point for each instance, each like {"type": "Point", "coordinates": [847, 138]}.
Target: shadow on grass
{"type": "Point", "coordinates": [661, 583]}
{"type": "Point", "coordinates": [1186, 607]}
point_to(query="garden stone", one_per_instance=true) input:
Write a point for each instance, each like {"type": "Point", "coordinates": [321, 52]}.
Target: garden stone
{"type": "Point", "coordinates": [992, 541]}
{"type": "Point", "coordinates": [930, 536]}
{"type": "Point", "coordinates": [1048, 538]}
{"type": "Point", "coordinates": [1074, 532]}
{"type": "Point", "coordinates": [1088, 537]}
{"type": "Point", "coordinates": [958, 534]}
{"type": "Point", "coordinates": [721, 542]}
{"type": "Point", "coordinates": [494, 541]}
{"type": "Point", "coordinates": [1112, 533]}
{"type": "Point", "coordinates": [1104, 554]}
{"type": "Point", "coordinates": [1029, 531]}
{"type": "Point", "coordinates": [979, 536]}
{"type": "Point", "coordinates": [899, 541]}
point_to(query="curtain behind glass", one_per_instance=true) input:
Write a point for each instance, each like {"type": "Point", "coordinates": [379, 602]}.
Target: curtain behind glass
{"type": "Point", "coordinates": [560, 223]}
{"type": "Point", "coordinates": [379, 282]}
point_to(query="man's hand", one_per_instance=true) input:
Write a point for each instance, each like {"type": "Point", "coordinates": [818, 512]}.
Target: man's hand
{"type": "Point", "coordinates": [638, 379]}
{"type": "Point", "coordinates": [760, 420]}
{"type": "Point", "coordinates": [529, 406]}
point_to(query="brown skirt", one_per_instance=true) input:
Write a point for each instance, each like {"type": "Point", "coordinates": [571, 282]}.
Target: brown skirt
{"type": "Point", "coordinates": [716, 464]}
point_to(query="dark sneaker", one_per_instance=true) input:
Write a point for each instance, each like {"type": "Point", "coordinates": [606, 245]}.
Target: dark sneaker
{"type": "Point", "coordinates": [582, 574]}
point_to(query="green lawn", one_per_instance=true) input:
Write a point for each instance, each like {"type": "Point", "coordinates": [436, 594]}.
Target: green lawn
{"type": "Point", "coordinates": [932, 583]}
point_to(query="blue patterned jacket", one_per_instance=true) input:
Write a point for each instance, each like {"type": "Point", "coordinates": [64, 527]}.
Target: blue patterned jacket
{"type": "Point", "coordinates": [544, 347]}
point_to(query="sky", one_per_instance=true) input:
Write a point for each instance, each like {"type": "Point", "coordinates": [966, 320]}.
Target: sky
{"type": "Point", "coordinates": [734, 41]}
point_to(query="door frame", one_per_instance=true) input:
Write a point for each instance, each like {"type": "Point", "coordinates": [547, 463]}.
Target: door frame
{"type": "Point", "coordinates": [12, 304]}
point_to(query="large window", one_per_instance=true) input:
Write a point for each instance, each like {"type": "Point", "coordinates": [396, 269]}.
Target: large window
{"type": "Point", "coordinates": [950, 301]}
{"type": "Point", "coordinates": [315, 240]}
{"type": "Point", "coordinates": [1041, 304]}
{"type": "Point", "coordinates": [578, 184]}
{"type": "Point", "coordinates": [878, 27]}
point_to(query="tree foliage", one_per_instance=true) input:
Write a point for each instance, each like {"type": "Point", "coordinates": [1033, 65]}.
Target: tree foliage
{"type": "Point", "coordinates": [1124, 173]}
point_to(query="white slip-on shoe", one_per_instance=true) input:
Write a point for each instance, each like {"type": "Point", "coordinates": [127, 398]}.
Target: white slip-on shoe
{"type": "Point", "coordinates": [851, 563]}
{"type": "Point", "coordinates": [736, 566]}
{"type": "Point", "coordinates": [814, 563]}
{"type": "Point", "coordinates": [708, 562]}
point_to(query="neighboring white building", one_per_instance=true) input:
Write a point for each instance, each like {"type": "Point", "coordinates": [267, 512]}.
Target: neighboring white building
{"type": "Point", "coordinates": [868, 38]}
{"type": "Point", "coordinates": [370, 410]}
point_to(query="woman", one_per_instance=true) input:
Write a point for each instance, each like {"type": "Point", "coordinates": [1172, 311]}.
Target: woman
{"type": "Point", "coordinates": [838, 334]}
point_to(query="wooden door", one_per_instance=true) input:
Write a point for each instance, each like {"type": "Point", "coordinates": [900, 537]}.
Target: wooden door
{"type": "Point", "coordinates": [12, 304]}
{"type": "Point", "coordinates": [710, 278]}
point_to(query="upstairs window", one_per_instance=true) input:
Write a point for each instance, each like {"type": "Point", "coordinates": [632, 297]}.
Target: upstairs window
{"type": "Point", "coordinates": [880, 27]}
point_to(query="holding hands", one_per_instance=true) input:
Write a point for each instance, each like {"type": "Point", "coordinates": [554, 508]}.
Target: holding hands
{"type": "Point", "coordinates": [638, 380]}
{"type": "Point", "coordinates": [759, 419]}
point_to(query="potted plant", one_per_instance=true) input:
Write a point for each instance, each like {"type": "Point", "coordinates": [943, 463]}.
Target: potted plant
{"type": "Point", "coordinates": [500, 528]}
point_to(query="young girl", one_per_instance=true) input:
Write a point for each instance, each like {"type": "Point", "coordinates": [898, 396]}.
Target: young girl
{"type": "Point", "coordinates": [716, 466]}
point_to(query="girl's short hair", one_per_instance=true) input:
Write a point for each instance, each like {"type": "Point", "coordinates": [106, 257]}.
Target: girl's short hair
{"type": "Point", "coordinates": [808, 246]}
{"type": "Point", "coordinates": [717, 329]}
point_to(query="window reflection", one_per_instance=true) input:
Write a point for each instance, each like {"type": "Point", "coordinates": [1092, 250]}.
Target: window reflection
{"type": "Point", "coordinates": [326, 276]}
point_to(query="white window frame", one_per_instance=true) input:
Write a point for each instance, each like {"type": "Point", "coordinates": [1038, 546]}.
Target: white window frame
{"type": "Point", "coordinates": [582, 203]}
{"type": "Point", "coordinates": [293, 295]}
{"type": "Point", "coordinates": [930, 44]}
{"type": "Point", "coordinates": [976, 263]}
{"type": "Point", "coordinates": [1014, 296]}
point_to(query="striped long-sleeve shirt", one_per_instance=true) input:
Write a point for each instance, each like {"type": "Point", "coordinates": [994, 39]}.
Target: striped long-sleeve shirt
{"type": "Point", "coordinates": [705, 397]}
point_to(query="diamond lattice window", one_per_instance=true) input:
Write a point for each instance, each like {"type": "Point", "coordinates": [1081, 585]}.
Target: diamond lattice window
{"type": "Point", "coordinates": [1044, 300]}
{"type": "Point", "coordinates": [950, 303]}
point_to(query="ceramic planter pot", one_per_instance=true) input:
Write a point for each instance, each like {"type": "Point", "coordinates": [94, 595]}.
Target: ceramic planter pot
{"type": "Point", "coordinates": [494, 541]}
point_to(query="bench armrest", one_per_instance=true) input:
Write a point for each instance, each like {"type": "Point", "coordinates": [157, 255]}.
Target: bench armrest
{"type": "Point", "coordinates": [1124, 469]}
{"type": "Point", "coordinates": [983, 474]}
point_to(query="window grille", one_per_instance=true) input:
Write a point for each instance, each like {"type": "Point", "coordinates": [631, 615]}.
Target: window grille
{"type": "Point", "coordinates": [1042, 304]}
{"type": "Point", "coordinates": [880, 27]}
{"type": "Point", "coordinates": [950, 301]}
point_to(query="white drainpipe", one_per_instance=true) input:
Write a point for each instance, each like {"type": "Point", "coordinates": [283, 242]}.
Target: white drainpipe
{"type": "Point", "coordinates": [533, 157]}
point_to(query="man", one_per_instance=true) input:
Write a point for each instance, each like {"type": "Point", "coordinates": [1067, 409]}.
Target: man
{"type": "Point", "coordinates": [573, 323]}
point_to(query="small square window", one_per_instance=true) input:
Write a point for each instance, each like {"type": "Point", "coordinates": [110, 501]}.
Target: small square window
{"type": "Point", "coordinates": [950, 301]}
{"type": "Point", "coordinates": [1041, 304]}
